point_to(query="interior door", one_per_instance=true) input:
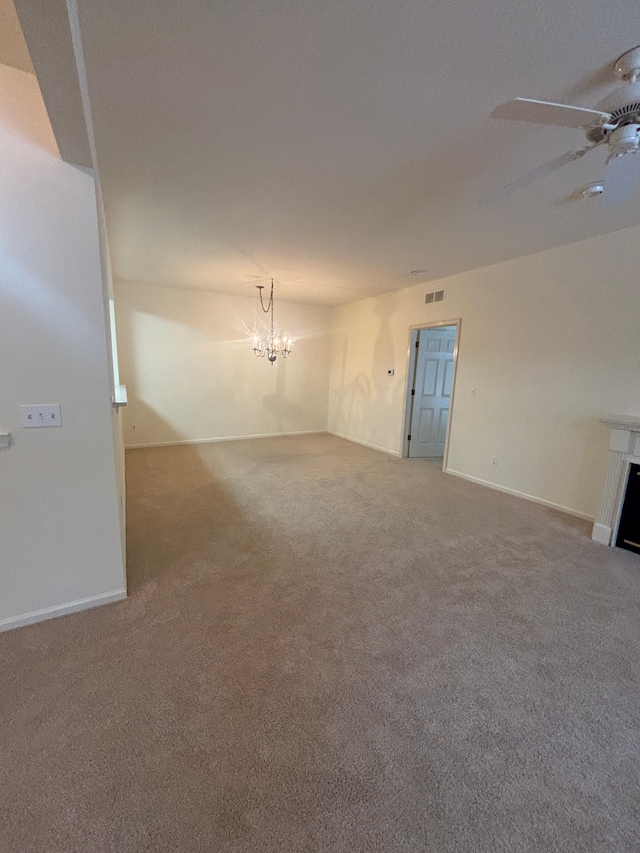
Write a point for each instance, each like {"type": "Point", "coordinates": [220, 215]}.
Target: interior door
{"type": "Point", "coordinates": [432, 391]}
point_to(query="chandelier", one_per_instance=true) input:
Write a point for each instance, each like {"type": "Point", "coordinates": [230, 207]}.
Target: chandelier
{"type": "Point", "coordinates": [273, 344]}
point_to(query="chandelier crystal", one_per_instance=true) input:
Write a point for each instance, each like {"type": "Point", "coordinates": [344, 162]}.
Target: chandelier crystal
{"type": "Point", "coordinates": [273, 344]}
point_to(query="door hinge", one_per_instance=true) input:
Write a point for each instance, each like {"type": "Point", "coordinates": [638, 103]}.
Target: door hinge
{"type": "Point", "coordinates": [417, 344]}
{"type": "Point", "coordinates": [408, 438]}
{"type": "Point", "coordinates": [413, 392]}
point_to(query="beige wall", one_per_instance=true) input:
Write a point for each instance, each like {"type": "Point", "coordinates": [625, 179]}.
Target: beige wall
{"type": "Point", "coordinates": [186, 359]}
{"type": "Point", "coordinates": [550, 341]}
{"type": "Point", "coordinates": [60, 544]}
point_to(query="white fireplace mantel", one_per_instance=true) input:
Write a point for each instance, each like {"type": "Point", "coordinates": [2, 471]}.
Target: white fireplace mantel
{"type": "Point", "coordinates": [625, 422]}
{"type": "Point", "coordinates": [624, 447]}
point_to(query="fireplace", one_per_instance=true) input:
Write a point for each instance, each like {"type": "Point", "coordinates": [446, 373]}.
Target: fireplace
{"type": "Point", "coordinates": [629, 525]}
{"type": "Point", "coordinates": [624, 447]}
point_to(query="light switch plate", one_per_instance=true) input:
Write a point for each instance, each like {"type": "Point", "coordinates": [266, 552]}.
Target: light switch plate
{"type": "Point", "coordinates": [43, 415]}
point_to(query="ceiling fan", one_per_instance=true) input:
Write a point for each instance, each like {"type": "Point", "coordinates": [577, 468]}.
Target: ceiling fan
{"type": "Point", "coordinates": [615, 122]}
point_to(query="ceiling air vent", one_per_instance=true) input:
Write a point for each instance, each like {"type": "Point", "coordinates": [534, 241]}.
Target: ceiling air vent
{"type": "Point", "coordinates": [434, 296]}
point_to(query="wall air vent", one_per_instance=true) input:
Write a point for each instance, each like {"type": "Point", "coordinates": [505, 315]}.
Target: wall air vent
{"type": "Point", "coordinates": [434, 296]}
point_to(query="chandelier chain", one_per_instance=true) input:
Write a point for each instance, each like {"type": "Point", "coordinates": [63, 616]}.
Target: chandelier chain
{"type": "Point", "coordinates": [270, 303]}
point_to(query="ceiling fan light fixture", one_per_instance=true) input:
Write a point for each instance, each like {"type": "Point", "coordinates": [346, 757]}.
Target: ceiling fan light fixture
{"type": "Point", "coordinates": [627, 66]}
{"type": "Point", "coordinates": [591, 190]}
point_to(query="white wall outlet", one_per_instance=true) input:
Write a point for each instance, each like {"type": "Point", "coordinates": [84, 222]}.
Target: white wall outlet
{"type": "Point", "coordinates": [42, 415]}
{"type": "Point", "coordinates": [5, 440]}
{"type": "Point", "coordinates": [473, 392]}
{"type": "Point", "coordinates": [391, 371]}
{"type": "Point", "coordinates": [494, 460]}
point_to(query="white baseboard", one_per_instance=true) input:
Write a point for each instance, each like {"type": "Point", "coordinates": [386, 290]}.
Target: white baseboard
{"type": "Point", "coordinates": [222, 438]}
{"type": "Point", "coordinates": [517, 494]}
{"type": "Point", "coordinates": [602, 534]}
{"type": "Point", "coordinates": [364, 443]}
{"type": "Point", "coordinates": [62, 609]}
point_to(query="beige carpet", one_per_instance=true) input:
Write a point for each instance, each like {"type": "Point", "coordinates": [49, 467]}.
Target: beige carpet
{"type": "Point", "coordinates": [329, 649]}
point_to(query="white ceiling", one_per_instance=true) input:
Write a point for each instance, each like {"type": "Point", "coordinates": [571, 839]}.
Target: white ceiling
{"type": "Point", "coordinates": [338, 144]}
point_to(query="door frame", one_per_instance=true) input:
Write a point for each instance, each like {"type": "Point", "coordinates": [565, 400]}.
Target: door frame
{"type": "Point", "coordinates": [411, 376]}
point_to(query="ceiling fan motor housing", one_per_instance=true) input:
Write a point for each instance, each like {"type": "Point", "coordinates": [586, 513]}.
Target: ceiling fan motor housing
{"type": "Point", "coordinates": [624, 139]}
{"type": "Point", "coordinates": [622, 102]}
{"type": "Point", "coordinates": [624, 107]}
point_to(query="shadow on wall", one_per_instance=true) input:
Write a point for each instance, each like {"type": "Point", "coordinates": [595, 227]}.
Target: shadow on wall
{"type": "Point", "coordinates": [278, 404]}
{"type": "Point", "coordinates": [211, 385]}
{"type": "Point", "coordinates": [353, 398]}
{"type": "Point", "coordinates": [142, 420]}
{"type": "Point", "coordinates": [371, 397]}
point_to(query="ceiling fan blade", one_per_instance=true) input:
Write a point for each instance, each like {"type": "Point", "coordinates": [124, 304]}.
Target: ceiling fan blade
{"type": "Point", "coordinates": [545, 112]}
{"type": "Point", "coordinates": [621, 179]}
{"type": "Point", "coordinates": [530, 177]}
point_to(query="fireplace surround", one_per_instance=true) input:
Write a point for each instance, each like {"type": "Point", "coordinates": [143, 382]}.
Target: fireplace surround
{"type": "Point", "coordinates": [624, 450]}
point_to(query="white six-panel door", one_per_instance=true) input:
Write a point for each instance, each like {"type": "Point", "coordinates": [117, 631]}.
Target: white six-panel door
{"type": "Point", "coordinates": [433, 383]}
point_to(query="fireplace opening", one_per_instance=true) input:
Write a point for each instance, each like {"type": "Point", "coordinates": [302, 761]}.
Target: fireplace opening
{"type": "Point", "coordinates": [629, 528]}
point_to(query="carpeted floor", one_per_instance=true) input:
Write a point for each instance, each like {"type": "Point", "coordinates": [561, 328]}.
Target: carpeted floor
{"type": "Point", "coordinates": [328, 649]}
